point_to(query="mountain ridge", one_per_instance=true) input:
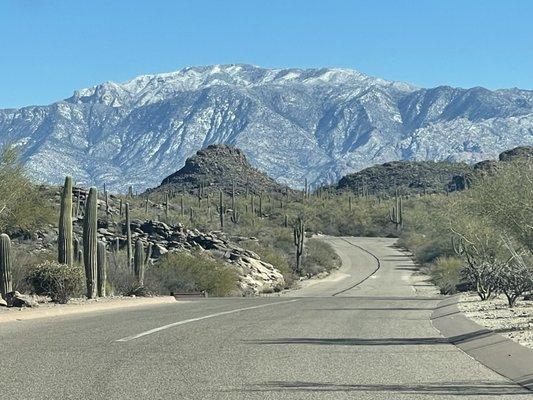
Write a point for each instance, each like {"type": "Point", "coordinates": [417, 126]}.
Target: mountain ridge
{"type": "Point", "coordinates": [293, 124]}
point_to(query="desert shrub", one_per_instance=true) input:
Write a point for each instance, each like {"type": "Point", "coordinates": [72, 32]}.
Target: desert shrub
{"type": "Point", "coordinates": [22, 207]}
{"type": "Point", "coordinates": [184, 272]}
{"type": "Point", "coordinates": [59, 281]}
{"type": "Point", "coordinates": [120, 278]}
{"type": "Point", "coordinates": [319, 257]}
{"type": "Point", "coordinates": [446, 273]}
{"type": "Point", "coordinates": [23, 261]}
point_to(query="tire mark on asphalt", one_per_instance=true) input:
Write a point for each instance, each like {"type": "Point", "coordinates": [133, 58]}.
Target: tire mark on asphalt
{"type": "Point", "coordinates": [363, 280]}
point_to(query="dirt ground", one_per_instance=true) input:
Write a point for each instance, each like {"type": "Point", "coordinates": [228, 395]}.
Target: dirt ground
{"type": "Point", "coordinates": [514, 323]}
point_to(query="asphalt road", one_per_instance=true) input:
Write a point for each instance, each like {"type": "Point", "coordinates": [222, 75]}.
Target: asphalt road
{"type": "Point", "coordinates": [329, 340]}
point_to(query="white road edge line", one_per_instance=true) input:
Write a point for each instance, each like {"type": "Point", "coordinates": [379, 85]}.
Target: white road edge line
{"type": "Point", "coordinates": [186, 321]}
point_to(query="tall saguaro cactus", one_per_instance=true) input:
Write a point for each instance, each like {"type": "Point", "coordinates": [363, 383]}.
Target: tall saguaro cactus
{"type": "Point", "coordinates": [90, 226]}
{"type": "Point", "coordinates": [396, 213]}
{"type": "Point", "coordinates": [221, 209]}
{"type": "Point", "coordinates": [65, 253]}
{"type": "Point", "coordinates": [6, 284]}
{"type": "Point", "coordinates": [299, 236]}
{"type": "Point", "coordinates": [128, 236]}
{"type": "Point", "coordinates": [138, 262]}
{"type": "Point", "coordinates": [101, 268]}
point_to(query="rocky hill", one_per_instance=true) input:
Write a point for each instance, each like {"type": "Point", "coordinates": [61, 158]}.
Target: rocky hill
{"type": "Point", "coordinates": [319, 124]}
{"type": "Point", "coordinates": [410, 177]}
{"type": "Point", "coordinates": [424, 176]}
{"type": "Point", "coordinates": [219, 167]}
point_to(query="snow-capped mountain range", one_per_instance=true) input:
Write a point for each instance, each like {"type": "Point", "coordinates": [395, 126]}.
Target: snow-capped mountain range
{"type": "Point", "coordinates": [293, 124]}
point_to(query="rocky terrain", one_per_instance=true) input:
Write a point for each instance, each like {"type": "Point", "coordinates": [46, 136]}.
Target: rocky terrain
{"type": "Point", "coordinates": [319, 124]}
{"type": "Point", "coordinates": [219, 167]}
{"type": "Point", "coordinates": [424, 176]}
{"type": "Point", "coordinates": [255, 275]}
{"type": "Point", "coordinates": [408, 176]}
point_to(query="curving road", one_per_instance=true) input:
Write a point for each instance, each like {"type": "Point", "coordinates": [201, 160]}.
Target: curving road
{"type": "Point", "coordinates": [362, 333]}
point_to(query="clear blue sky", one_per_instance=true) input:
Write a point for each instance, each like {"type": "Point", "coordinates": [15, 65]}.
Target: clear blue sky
{"type": "Point", "coordinates": [50, 48]}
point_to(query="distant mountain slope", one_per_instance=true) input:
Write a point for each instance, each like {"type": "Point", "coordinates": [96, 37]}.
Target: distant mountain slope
{"type": "Point", "coordinates": [293, 124]}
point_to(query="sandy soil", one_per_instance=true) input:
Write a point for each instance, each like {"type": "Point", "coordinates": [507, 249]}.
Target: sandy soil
{"type": "Point", "coordinates": [79, 306]}
{"type": "Point", "coordinates": [514, 323]}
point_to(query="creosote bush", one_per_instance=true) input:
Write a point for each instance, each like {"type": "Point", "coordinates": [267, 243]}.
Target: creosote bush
{"type": "Point", "coordinates": [58, 281]}
{"type": "Point", "coordinates": [446, 273]}
{"type": "Point", "coordinates": [319, 257]}
{"type": "Point", "coordinates": [184, 272]}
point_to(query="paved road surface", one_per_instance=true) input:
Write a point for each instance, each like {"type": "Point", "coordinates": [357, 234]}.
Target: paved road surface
{"type": "Point", "coordinates": [371, 341]}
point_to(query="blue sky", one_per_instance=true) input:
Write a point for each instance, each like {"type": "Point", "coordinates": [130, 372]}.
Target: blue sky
{"type": "Point", "coordinates": [50, 48]}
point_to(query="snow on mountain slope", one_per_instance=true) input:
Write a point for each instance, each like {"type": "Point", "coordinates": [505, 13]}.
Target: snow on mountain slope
{"type": "Point", "coordinates": [291, 123]}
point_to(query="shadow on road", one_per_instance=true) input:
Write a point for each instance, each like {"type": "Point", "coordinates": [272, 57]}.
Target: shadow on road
{"type": "Point", "coordinates": [376, 341]}
{"type": "Point", "coordinates": [376, 309]}
{"type": "Point", "coordinates": [467, 388]}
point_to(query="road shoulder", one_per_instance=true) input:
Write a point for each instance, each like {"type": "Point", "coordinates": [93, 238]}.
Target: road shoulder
{"type": "Point", "coordinates": [22, 314]}
{"type": "Point", "coordinates": [496, 352]}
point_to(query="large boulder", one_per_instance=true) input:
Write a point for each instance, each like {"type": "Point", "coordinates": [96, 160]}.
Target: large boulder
{"type": "Point", "coordinates": [15, 299]}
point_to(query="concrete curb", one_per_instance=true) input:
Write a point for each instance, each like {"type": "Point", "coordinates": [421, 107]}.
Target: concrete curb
{"type": "Point", "coordinates": [496, 352]}
{"type": "Point", "coordinates": [76, 309]}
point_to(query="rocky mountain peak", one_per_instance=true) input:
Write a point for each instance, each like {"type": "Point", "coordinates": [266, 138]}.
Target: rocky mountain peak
{"type": "Point", "coordinates": [219, 166]}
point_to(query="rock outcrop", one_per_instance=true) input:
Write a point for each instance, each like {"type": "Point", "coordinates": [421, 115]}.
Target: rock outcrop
{"type": "Point", "coordinates": [218, 167]}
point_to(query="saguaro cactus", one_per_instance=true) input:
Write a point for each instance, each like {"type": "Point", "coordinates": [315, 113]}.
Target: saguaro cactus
{"type": "Point", "coordinates": [6, 284]}
{"type": "Point", "coordinates": [221, 209]}
{"type": "Point", "coordinates": [128, 236]}
{"type": "Point", "coordinates": [65, 254]}
{"type": "Point", "coordinates": [101, 268]}
{"type": "Point", "coordinates": [138, 262]}
{"type": "Point", "coordinates": [166, 208]}
{"type": "Point", "coordinates": [299, 236]}
{"type": "Point", "coordinates": [76, 249]}
{"type": "Point", "coordinates": [396, 213]}
{"type": "Point", "coordinates": [148, 253]}
{"type": "Point", "coordinates": [90, 226]}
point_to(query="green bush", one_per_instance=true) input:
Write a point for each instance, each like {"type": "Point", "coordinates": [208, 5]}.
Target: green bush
{"type": "Point", "coordinates": [22, 207]}
{"type": "Point", "coordinates": [319, 257]}
{"type": "Point", "coordinates": [184, 272]}
{"type": "Point", "coordinates": [446, 273]}
{"type": "Point", "coordinates": [59, 281]}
